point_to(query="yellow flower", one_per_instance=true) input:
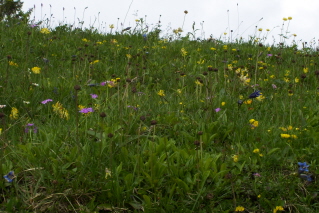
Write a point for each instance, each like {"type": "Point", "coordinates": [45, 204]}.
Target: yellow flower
{"type": "Point", "coordinates": [107, 173]}
{"type": "Point", "coordinates": [36, 70]}
{"type": "Point", "coordinates": [239, 209]}
{"type": "Point", "coordinates": [58, 109]}
{"type": "Point", "coordinates": [0, 131]}
{"type": "Point", "coordinates": [111, 26]}
{"type": "Point", "coordinates": [248, 102]}
{"type": "Point", "coordinates": [14, 113]}
{"type": "Point", "coordinates": [256, 151]}
{"type": "Point", "coordinates": [179, 91]}
{"type": "Point", "coordinates": [85, 40]}
{"type": "Point", "coordinates": [278, 208]}
{"type": "Point", "coordinates": [45, 31]}
{"type": "Point", "coordinates": [285, 19]}
{"type": "Point", "coordinates": [212, 48]}
{"type": "Point", "coordinates": [161, 93]}
{"type": "Point", "coordinates": [94, 62]}
{"type": "Point", "coordinates": [184, 52]}
{"type": "Point", "coordinates": [284, 135]}
{"type": "Point", "coordinates": [11, 63]}
{"type": "Point", "coordinates": [198, 83]}
{"type": "Point", "coordinates": [305, 70]}
{"type": "Point", "coordinates": [260, 98]}
{"type": "Point", "coordinates": [223, 103]}
{"type": "Point", "coordinates": [296, 79]}
{"type": "Point", "coordinates": [235, 158]}
{"type": "Point", "coordinates": [289, 18]}
{"type": "Point", "coordinates": [259, 196]}
{"type": "Point", "coordinates": [260, 29]}
{"type": "Point", "coordinates": [253, 123]}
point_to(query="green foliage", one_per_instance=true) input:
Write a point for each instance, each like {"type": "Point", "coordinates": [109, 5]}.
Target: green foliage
{"type": "Point", "coordinates": [165, 126]}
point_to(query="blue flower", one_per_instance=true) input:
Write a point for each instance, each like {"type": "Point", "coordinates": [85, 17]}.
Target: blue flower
{"type": "Point", "coordinates": [303, 167]}
{"type": "Point", "coordinates": [9, 177]}
{"type": "Point", "coordinates": [306, 177]}
{"type": "Point", "coordinates": [255, 94]}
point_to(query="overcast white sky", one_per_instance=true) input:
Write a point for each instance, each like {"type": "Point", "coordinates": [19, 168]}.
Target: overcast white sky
{"type": "Point", "coordinates": [216, 16]}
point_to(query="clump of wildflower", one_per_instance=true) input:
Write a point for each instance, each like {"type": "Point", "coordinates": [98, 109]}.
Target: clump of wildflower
{"type": "Point", "coordinates": [60, 110]}
{"type": "Point", "coordinates": [14, 113]}
{"type": "Point", "coordinates": [256, 150]}
{"type": "Point", "coordinates": [278, 208]}
{"type": "Point", "coordinates": [46, 101]}
{"type": "Point", "coordinates": [161, 93]}
{"type": "Point", "coordinates": [36, 70]}
{"type": "Point", "coordinates": [45, 31]}
{"type": "Point", "coordinates": [239, 209]}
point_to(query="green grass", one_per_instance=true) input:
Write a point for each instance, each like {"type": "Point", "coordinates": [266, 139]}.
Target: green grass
{"type": "Point", "coordinates": [143, 149]}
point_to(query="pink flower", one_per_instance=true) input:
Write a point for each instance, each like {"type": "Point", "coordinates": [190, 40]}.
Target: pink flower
{"type": "Point", "coordinates": [274, 86]}
{"type": "Point", "coordinates": [94, 95]}
{"type": "Point", "coordinates": [217, 109]}
{"type": "Point", "coordinates": [86, 110]}
{"type": "Point", "coordinates": [46, 101]}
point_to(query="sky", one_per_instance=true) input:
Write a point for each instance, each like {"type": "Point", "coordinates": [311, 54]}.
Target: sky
{"type": "Point", "coordinates": [211, 17]}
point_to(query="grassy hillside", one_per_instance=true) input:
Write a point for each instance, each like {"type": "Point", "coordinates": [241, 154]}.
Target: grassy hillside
{"type": "Point", "coordinates": [130, 122]}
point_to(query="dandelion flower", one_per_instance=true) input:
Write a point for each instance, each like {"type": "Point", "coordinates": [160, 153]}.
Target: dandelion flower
{"type": "Point", "coordinates": [161, 93]}
{"type": "Point", "coordinates": [36, 70]}
{"type": "Point", "coordinates": [239, 209]}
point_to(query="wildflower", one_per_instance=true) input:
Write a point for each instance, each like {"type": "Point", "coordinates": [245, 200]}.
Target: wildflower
{"type": "Point", "coordinates": [184, 52]}
{"type": "Point", "coordinates": [94, 96]}
{"type": "Point", "coordinates": [103, 83]}
{"type": "Point", "coordinates": [303, 167]}
{"type": "Point", "coordinates": [45, 31]}
{"type": "Point", "coordinates": [94, 62]}
{"type": "Point", "coordinates": [260, 29]}
{"type": "Point", "coordinates": [179, 91]}
{"type": "Point", "coordinates": [239, 209]}
{"type": "Point", "coordinates": [36, 70]}
{"type": "Point", "coordinates": [198, 83]}
{"type": "Point", "coordinates": [260, 98]}
{"type": "Point", "coordinates": [2, 106]}
{"type": "Point", "coordinates": [11, 63]}
{"type": "Point", "coordinates": [289, 18]}
{"type": "Point", "coordinates": [161, 93]}
{"type": "Point", "coordinates": [255, 94]}
{"type": "Point", "coordinates": [256, 174]}
{"type": "Point", "coordinates": [84, 40]}
{"type": "Point", "coordinates": [296, 79]}
{"type": "Point", "coordinates": [217, 109]}
{"type": "Point", "coordinates": [86, 110]}
{"type": "Point", "coordinates": [284, 135]}
{"type": "Point", "coordinates": [253, 123]}
{"type": "Point", "coordinates": [34, 128]}
{"type": "Point", "coordinates": [223, 103]}
{"type": "Point", "coordinates": [278, 208]}
{"type": "Point", "coordinates": [14, 113]}
{"type": "Point", "coordinates": [9, 177]}
{"type": "Point", "coordinates": [46, 101]}
{"type": "Point", "coordinates": [306, 177]}
{"type": "Point", "coordinates": [35, 84]}
{"type": "Point", "coordinates": [259, 196]}
{"type": "Point", "coordinates": [285, 19]}
{"type": "Point", "coordinates": [26, 102]}
{"type": "Point", "coordinates": [274, 86]}
{"type": "Point", "coordinates": [256, 151]}
{"type": "Point", "coordinates": [248, 102]}
{"type": "Point", "coordinates": [111, 26]}
{"type": "Point", "coordinates": [213, 48]}
{"type": "Point", "coordinates": [107, 173]}
{"type": "Point", "coordinates": [235, 158]}
{"type": "Point", "coordinates": [59, 109]}
{"type": "Point", "coordinates": [305, 70]}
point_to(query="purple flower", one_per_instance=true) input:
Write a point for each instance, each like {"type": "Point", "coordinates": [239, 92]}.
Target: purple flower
{"type": "Point", "coordinates": [103, 83]}
{"type": "Point", "coordinates": [256, 174]}
{"type": "Point", "coordinates": [35, 129]}
{"type": "Point", "coordinates": [94, 96]}
{"type": "Point", "coordinates": [86, 110]}
{"type": "Point", "coordinates": [274, 86]}
{"type": "Point", "coordinates": [269, 55]}
{"type": "Point", "coordinates": [46, 101]}
{"type": "Point", "coordinates": [217, 109]}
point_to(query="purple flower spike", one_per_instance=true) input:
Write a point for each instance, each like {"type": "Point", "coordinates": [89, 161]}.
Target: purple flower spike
{"type": "Point", "coordinates": [46, 101]}
{"type": "Point", "coordinates": [86, 110]}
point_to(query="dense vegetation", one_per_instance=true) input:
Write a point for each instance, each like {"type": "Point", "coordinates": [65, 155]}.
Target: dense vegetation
{"type": "Point", "coordinates": [131, 122]}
